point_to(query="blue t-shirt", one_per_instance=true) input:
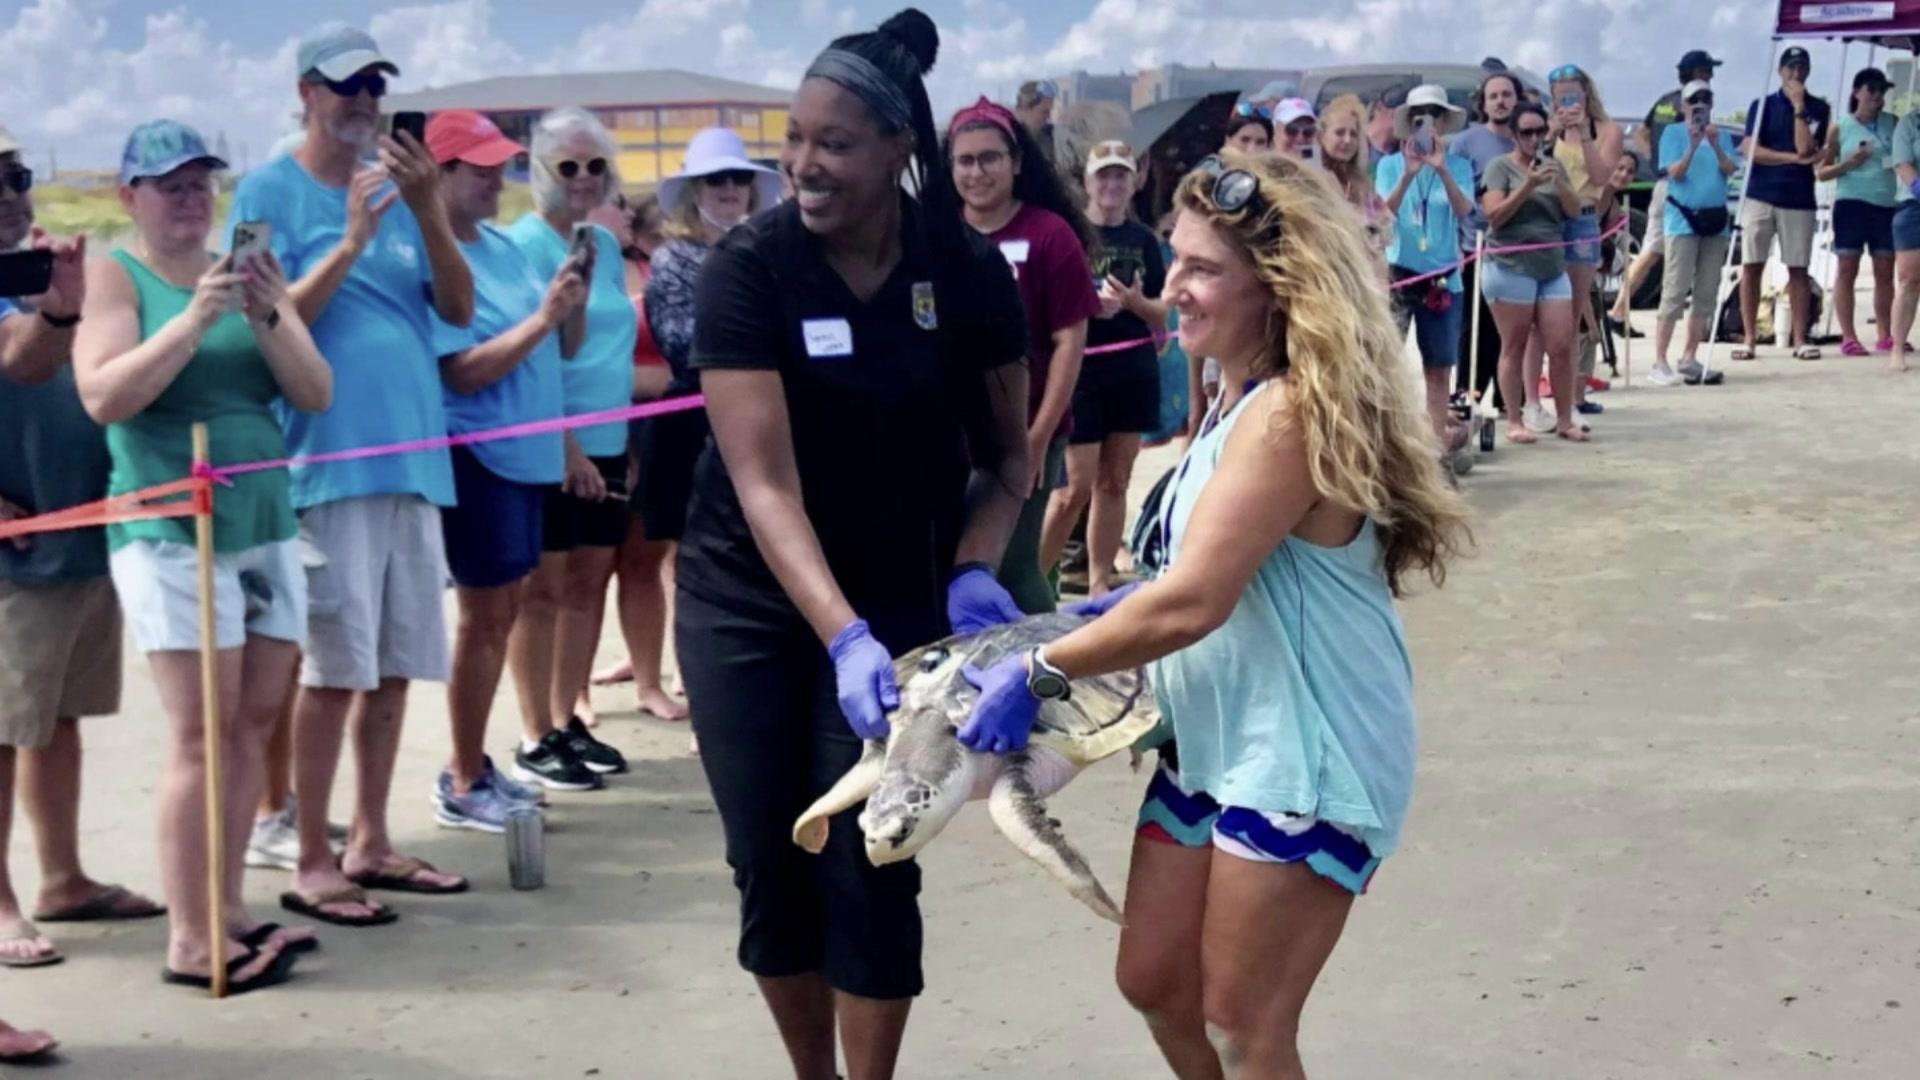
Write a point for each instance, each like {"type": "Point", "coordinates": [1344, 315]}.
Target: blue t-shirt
{"type": "Point", "coordinates": [1788, 187]}
{"type": "Point", "coordinates": [506, 292]}
{"type": "Point", "coordinates": [1426, 213]}
{"type": "Point", "coordinates": [1703, 188]}
{"type": "Point", "coordinates": [600, 376]}
{"type": "Point", "coordinates": [376, 332]}
{"type": "Point", "coordinates": [1479, 144]}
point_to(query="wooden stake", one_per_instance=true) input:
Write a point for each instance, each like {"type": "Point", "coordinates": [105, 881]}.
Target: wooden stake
{"type": "Point", "coordinates": [210, 723]}
{"type": "Point", "coordinates": [1485, 404]}
{"type": "Point", "coordinates": [1626, 278]}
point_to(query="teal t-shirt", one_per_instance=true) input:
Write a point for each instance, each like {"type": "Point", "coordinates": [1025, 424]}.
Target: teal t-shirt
{"type": "Point", "coordinates": [1426, 214]}
{"type": "Point", "coordinates": [376, 332]}
{"type": "Point", "coordinates": [52, 456]}
{"type": "Point", "coordinates": [600, 376]}
{"type": "Point", "coordinates": [1872, 181]}
{"type": "Point", "coordinates": [1703, 188]}
{"type": "Point", "coordinates": [506, 292]}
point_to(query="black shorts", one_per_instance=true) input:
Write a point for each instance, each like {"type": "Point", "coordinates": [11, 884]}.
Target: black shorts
{"type": "Point", "coordinates": [573, 522]}
{"type": "Point", "coordinates": [495, 531]}
{"type": "Point", "coordinates": [772, 740]}
{"type": "Point", "coordinates": [1118, 394]}
{"type": "Point", "coordinates": [669, 445]}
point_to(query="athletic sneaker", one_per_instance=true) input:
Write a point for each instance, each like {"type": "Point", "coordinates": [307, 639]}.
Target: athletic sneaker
{"type": "Point", "coordinates": [481, 809]}
{"type": "Point", "coordinates": [552, 764]}
{"type": "Point", "coordinates": [1662, 375]}
{"type": "Point", "coordinates": [1694, 373]}
{"type": "Point", "coordinates": [513, 790]}
{"type": "Point", "coordinates": [1537, 419]}
{"type": "Point", "coordinates": [275, 843]}
{"type": "Point", "coordinates": [593, 753]}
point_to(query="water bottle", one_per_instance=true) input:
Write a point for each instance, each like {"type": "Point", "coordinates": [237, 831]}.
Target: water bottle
{"type": "Point", "coordinates": [526, 848]}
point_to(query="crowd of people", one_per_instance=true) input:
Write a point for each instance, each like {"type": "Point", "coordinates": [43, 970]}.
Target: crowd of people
{"type": "Point", "coordinates": [972, 359]}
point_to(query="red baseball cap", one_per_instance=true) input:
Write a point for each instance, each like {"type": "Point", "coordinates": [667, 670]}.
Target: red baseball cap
{"type": "Point", "coordinates": [465, 135]}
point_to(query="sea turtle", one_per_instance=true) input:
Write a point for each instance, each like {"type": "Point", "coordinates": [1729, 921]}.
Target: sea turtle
{"type": "Point", "coordinates": [916, 780]}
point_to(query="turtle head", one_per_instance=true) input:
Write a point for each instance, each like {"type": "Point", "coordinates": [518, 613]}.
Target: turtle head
{"type": "Point", "coordinates": [915, 800]}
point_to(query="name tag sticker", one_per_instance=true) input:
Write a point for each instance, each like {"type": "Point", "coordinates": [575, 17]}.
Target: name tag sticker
{"type": "Point", "coordinates": [827, 337]}
{"type": "Point", "coordinates": [1016, 251]}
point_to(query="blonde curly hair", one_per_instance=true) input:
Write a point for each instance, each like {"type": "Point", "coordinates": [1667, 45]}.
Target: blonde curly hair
{"type": "Point", "coordinates": [1370, 446]}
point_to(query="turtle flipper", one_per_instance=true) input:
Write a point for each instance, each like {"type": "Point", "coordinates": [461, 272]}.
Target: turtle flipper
{"type": "Point", "coordinates": [810, 831]}
{"type": "Point", "coordinates": [1017, 809]}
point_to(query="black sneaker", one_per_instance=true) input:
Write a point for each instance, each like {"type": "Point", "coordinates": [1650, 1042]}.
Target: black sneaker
{"type": "Point", "coordinates": [553, 764]}
{"type": "Point", "coordinates": [592, 753]}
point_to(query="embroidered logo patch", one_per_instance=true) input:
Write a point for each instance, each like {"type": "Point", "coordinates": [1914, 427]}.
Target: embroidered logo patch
{"type": "Point", "coordinates": [924, 314]}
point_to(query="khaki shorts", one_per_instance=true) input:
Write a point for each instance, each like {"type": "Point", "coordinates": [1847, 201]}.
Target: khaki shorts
{"type": "Point", "coordinates": [376, 577]}
{"type": "Point", "coordinates": [59, 657]}
{"type": "Point", "coordinates": [1760, 222]}
{"type": "Point", "coordinates": [1655, 237]}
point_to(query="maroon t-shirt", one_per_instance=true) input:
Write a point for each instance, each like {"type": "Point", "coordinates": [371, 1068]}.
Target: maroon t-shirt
{"type": "Point", "coordinates": [1056, 285]}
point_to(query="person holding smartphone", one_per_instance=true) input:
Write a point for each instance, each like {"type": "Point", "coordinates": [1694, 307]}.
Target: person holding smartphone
{"type": "Point", "coordinates": [170, 336]}
{"type": "Point", "coordinates": [1697, 159]}
{"type": "Point", "coordinates": [1779, 202]}
{"type": "Point", "coordinates": [1528, 200]}
{"type": "Point", "coordinates": [1117, 397]}
{"type": "Point", "coordinates": [558, 629]}
{"type": "Point", "coordinates": [359, 223]}
{"type": "Point", "coordinates": [1296, 130]}
{"type": "Point", "coordinates": [1860, 165]}
{"type": "Point", "coordinates": [1587, 144]}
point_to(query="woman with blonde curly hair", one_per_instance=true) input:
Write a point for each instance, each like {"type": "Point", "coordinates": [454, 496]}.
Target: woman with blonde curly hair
{"type": "Point", "coordinates": [1308, 500]}
{"type": "Point", "coordinates": [1587, 144]}
{"type": "Point", "coordinates": [1343, 127]}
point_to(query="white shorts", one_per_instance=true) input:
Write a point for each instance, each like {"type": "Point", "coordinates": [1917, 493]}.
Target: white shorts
{"type": "Point", "coordinates": [1655, 237]}
{"type": "Point", "coordinates": [376, 573]}
{"type": "Point", "coordinates": [1760, 222]}
{"type": "Point", "coordinates": [259, 591]}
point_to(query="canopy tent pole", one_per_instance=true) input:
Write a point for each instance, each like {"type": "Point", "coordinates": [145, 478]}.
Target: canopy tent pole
{"type": "Point", "coordinates": [1746, 180]}
{"type": "Point", "coordinates": [1833, 128]}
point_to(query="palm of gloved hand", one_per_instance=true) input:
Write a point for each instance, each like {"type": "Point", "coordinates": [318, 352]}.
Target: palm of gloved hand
{"type": "Point", "coordinates": [976, 602]}
{"type": "Point", "coordinates": [863, 676]}
{"type": "Point", "coordinates": [1003, 717]}
{"type": "Point", "coordinates": [1099, 606]}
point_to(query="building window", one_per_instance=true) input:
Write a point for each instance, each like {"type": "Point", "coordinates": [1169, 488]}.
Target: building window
{"type": "Point", "coordinates": [689, 119]}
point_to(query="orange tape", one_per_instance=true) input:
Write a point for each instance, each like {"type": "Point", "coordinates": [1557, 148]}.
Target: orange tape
{"type": "Point", "coordinates": [119, 509]}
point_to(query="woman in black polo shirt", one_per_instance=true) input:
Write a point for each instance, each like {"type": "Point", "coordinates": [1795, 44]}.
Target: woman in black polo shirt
{"type": "Point", "coordinates": [860, 357]}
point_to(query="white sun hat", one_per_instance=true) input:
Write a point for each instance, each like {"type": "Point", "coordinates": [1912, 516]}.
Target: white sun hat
{"type": "Point", "coordinates": [718, 150]}
{"type": "Point", "coordinates": [1430, 96]}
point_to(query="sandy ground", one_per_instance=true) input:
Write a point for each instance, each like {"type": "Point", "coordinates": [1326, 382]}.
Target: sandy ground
{"type": "Point", "coordinates": [1665, 825]}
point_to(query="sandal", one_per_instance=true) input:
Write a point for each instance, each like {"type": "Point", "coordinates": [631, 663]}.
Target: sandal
{"type": "Point", "coordinates": [111, 903]}
{"type": "Point", "coordinates": [1575, 434]}
{"type": "Point", "coordinates": [403, 875]}
{"type": "Point", "coordinates": [1807, 352]}
{"type": "Point", "coordinates": [28, 932]}
{"type": "Point", "coordinates": [258, 937]}
{"type": "Point", "coordinates": [1740, 352]}
{"type": "Point", "coordinates": [273, 975]}
{"type": "Point", "coordinates": [1852, 348]}
{"type": "Point", "coordinates": [1885, 344]}
{"type": "Point", "coordinates": [353, 894]}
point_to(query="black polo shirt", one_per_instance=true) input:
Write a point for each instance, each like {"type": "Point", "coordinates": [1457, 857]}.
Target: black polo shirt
{"type": "Point", "coordinates": [878, 395]}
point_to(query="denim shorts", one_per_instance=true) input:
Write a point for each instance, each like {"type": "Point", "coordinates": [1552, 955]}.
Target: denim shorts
{"type": "Point", "coordinates": [1505, 286]}
{"type": "Point", "coordinates": [1583, 233]}
{"type": "Point", "coordinates": [1906, 227]}
{"type": "Point", "coordinates": [1437, 333]}
{"type": "Point", "coordinates": [1861, 226]}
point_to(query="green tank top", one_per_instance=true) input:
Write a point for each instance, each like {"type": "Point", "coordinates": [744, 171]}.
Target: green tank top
{"type": "Point", "coordinates": [228, 385]}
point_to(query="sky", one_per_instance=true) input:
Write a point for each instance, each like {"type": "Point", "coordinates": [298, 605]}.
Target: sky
{"type": "Point", "coordinates": [79, 74]}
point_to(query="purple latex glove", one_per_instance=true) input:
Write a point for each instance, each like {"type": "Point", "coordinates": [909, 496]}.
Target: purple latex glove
{"type": "Point", "coordinates": [1099, 607]}
{"type": "Point", "coordinates": [863, 672]}
{"type": "Point", "coordinates": [1003, 717]}
{"type": "Point", "coordinates": [977, 601]}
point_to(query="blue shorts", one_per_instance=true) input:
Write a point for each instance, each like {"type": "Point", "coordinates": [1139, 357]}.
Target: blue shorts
{"type": "Point", "coordinates": [1861, 226]}
{"type": "Point", "coordinates": [1501, 285]}
{"type": "Point", "coordinates": [494, 533]}
{"type": "Point", "coordinates": [1583, 233]}
{"type": "Point", "coordinates": [1906, 227]}
{"type": "Point", "coordinates": [1172, 815]}
{"type": "Point", "coordinates": [1437, 333]}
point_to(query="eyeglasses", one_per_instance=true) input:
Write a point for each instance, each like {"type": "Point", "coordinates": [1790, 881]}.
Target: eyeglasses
{"type": "Point", "coordinates": [569, 168]}
{"type": "Point", "coordinates": [19, 179]}
{"type": "Point", "coordinates": [1249, 108]}
{"type": "Point", "coordinates": [372, 82]}
{"type": "Point", "coordinates": [730, 178]}
{"type": "Point", "coordinates": [985, 160]}
{"type": "Point", "coordinates": [1236, 190]}
{"type": "Point", "coordinates": [1565, 72]}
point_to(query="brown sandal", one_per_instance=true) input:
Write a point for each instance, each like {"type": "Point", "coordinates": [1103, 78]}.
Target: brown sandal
{"type": "Point", "coordinates": [403, 875]}
{"type": "Point", "coordinates": [314, 907]}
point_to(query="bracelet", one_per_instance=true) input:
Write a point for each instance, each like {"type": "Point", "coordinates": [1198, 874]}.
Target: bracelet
{"type": "Point", "coordinates": [60, 322]}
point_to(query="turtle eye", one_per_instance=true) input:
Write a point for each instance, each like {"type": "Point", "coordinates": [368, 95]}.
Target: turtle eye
{"type": "Point", "coordinates": [931, 660]}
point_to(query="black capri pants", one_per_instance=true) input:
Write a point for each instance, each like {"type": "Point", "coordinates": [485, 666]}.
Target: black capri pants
{"type": "Point", "coordinates": [772, 740]}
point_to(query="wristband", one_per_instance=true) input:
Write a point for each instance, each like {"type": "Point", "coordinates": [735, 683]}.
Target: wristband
{"type": "Point", "coordinates": [60, 322]}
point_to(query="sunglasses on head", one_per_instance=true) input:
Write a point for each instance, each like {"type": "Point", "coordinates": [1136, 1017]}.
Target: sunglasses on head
{"type": "Point", "coordinates": [1564, 72]}
{"type": "Point", "coordinates": [730, 178]}
{"type": "Point", "coordinates": [1250, 108]}
{"type": "Point", "coordinates": [18, 179]}
{"type": "Point", "coordinates": [371, 81]}
{"type": "Point", "coordinates": [569, 168]}
{"type": "Point", "coordinates": [1237, 190]}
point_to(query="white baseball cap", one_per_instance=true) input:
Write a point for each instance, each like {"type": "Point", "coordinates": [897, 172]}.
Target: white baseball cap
{"type": "Point", "coordinates": [1111, 154]}
{"type": "Point", "coordinates": [1697, 86]}
{"type": "Point", "coordinates": [1292, 109]}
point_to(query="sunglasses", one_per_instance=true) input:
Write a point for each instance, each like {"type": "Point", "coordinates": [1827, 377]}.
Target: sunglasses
{"type": "Point", "coordinates": [1249, 108]}
{"type": "Point", "coordinates": [1237, 190]}
{"type": "Point", "coordinates": [1530, 132]}
{"type": "Point", "coordinates": [1427, 112]}
{"type": "Point", "coordinates": [729, 178]}
{"type": "Point", "coordinates": [1300, 129]}
{"type": "Point", "coordinates": [19, 179]}
{"type": "Point", "coordinates": [372, 82]}
{"type": "Point", "coordinates": [569, 168]}
{"type": "Point", "coordinates": [1564, 72]}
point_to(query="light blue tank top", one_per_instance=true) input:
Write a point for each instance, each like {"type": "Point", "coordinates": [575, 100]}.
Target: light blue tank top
{"type": "Point", "coordinates": [1873, 181]}
{"type": "Point", "coordinates": [1303, 701]}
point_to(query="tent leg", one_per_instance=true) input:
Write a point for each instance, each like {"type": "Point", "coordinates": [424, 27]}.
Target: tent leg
{"type": "Point", "coordinates": [1746, 176]}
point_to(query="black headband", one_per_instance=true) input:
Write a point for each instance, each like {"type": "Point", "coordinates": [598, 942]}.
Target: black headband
{"type": "Point", "coordinates": [867, 82]}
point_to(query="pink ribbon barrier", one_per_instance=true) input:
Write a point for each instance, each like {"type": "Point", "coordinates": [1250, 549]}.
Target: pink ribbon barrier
{"type": "Point", "coordinates": [224, 473]}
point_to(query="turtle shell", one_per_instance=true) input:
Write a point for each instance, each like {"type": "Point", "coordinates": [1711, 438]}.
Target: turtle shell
{"type": "Point", "coordinates": [1105, 715]}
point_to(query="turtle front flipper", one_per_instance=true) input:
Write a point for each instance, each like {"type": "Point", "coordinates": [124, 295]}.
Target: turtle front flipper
{"type": "Point", "coordinates": [1017, 809]}
{"type": "Point", "coordinates": [810, 831]}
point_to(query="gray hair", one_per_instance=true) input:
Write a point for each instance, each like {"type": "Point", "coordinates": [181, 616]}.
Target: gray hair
{"type": "Point", "coordinates": [552, 131]}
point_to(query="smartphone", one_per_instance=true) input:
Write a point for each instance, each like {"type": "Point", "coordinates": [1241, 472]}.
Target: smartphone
{"type": "Point", "coordinates": [25, 273]}
{"type": "Point", "coordinates": [413, 123]}
{"type": "Point", "coordinates": [580, 252]}
{"type": "Point", "coordinates": [1570, 100]}
{"type": "Point", "coordinates": [1542, 155]}
{"type": "Point", "coordinates": [250, 238]}
{"type": "Point", "coordinates": [1423, 136]}
{"type": "Point", "coordinates": [1698, 117]}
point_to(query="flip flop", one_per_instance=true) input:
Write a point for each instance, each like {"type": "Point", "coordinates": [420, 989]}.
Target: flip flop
{"type": "Point", "coordinates": [107, 905]}
{"type": "Point", "coordinates": [352, 894]}
{"type": "Point", "coordinates": [1807, 352]}
{"type": "Point", "coordinates": [404, 876]}
{"type": "Point", "coordinates": [1740, 352]}
{"type": "Point", "coordinates": [273, 975]}
{"type": "Point", "coordinates": [31, 933]}
{"type": "Point", "coordinates": [1852, 348]}
{"type": "Point", "coordinates": [258, 937]}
